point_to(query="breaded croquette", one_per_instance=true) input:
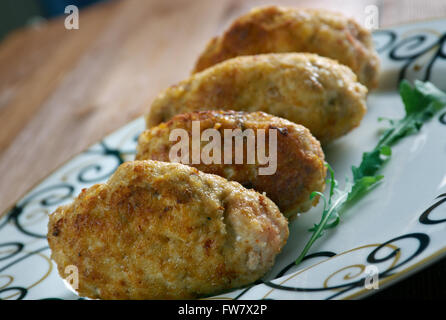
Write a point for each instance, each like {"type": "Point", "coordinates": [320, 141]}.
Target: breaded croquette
{"type": "Point", "coordinates": [160, 230]}
{"type": "Point", "coordinates": [278, 29]}
{"type": "Point", "coordinates": [316, 92]}
{"type": "Point", "coordinates": [300, 167]}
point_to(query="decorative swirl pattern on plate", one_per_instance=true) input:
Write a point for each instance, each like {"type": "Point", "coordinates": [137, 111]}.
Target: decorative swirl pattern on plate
{"type": "Point", "coordinates": [425, 217]}
{"type": "Point", "coordinates": [46, 197]}
{"type": "Point", "coordinates": [411, 49]}
{"type": "Point", "coordinates": [341, 288]}
{"type": "Point", "coordinates": [383, 39]}
{"type": "Point", "coordinates": [351, 274]}
{"type": "Point", "coordinates": [6, 254]}
{"type": "Point", "coordinates": [443, 118]}
{"type": "Point", "coordinates": [97, 170]}
{"type": "Point", "coordinates": [20, 292]}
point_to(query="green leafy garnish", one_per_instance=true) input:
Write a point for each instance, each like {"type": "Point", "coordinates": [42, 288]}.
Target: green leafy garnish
{"type": "Point", "coordinates": [421, 103]}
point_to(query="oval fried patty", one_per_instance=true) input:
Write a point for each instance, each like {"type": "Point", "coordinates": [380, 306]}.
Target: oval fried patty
{"type": "Point", "coordinates": [299, 169]}
{"type": "Point", "coordinates": [278, 29]}
{"type": "Point", "coordinates": [307, 89]}
{"type": "Point", "coordinates": [161, 230]}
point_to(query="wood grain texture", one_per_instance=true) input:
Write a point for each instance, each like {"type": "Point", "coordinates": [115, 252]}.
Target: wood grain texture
{"type": "Point", "coordinates": [63, 90]}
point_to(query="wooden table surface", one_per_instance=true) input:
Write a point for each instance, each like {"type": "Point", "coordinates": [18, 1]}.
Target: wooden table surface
{"type": "Point", "coordinates": [62, 90]}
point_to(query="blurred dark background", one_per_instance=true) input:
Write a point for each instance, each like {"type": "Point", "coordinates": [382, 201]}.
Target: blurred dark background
{"type": "Point", "coordinates": [18, 13]}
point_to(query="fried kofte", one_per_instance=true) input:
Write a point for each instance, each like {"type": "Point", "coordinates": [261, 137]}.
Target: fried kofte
{"type": "Point", "coordinates": [295, 168]}
{"type": "Point", "coordinates": [278, 29]}
{"type": "Point", "coordinates": [160, 230]}
{"type": "Point", "coordinates": [316, 92]}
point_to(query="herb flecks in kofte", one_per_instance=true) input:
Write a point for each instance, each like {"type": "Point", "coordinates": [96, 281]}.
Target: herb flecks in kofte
{"type": "Point", "coordinates": [215, 234]}
{"type": "Point", "coordinates": [275, 29]}
{"type": "Point", "coordinates": [316, 92]}
{"type": "Point", "coordinates": [299, 159]}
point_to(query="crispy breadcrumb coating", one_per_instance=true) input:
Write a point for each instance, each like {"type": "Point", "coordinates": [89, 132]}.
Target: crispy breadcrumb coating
{"type": "Point", "coordinates": [160, 230]}
{"type": "Point", "coordinates": [279, 29]}
{"type": "Point", "coordinates": [300, 160]}
{"type": "Point", "coordinates": [316, 92]}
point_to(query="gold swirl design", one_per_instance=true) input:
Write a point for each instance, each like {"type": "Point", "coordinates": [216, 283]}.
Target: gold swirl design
{"type": "Point", "coordinates": [35, 216]}
{"type": "Point", "coordinates": [6, 251]}
{"type": "Point", "coordinates": [48, 272]}
{"type": "Point", "coordinates": [415, 266]}
{"type": "Point", "coordinates": [361, 268]}
{"type": "Point", "coordinates": [348, 276]}
{"type": "Point", "coordinates": [10, 280]}
{"type": "Point", "coordinates": [394, 262]}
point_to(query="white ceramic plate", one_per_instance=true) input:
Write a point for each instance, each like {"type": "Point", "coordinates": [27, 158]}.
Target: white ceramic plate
{"type": "Point", "coordinates": [394, 231]}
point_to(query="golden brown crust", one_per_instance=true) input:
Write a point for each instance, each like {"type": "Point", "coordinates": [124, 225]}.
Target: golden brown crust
{"type": "Point", "coordinates": [278, 29]}
{"type": "Point", "coordinates": [160, 230]}
{"type": "Point", "coordinates": [307, 89]}
{"type": "Point", "coordinates": [300, 159]}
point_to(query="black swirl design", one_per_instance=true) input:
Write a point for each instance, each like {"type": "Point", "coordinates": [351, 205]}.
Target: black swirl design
{"type": "Point", "coordinates": [410, 49]}
{"type": "Point", "coordinates": [327, 254]}
{"type": "Point", "coordinates": [22, 258]}
{"type": "Point", "coordinates": [389, 37]}
{"type": "Point", "coordinates": [17, 247]}
{"type": "Point", "coordinates": [443, 118]}
{"type": "Point", "coordinates": [425, 217]}
{"type": "Point", "coordinates": [22, 292]}
{"type": "Point", "coordinates": [52, 195]}
{"type": "Point", "coordinates": [422, 239]}
{"type": "Point", "coordinates": [96, 170]}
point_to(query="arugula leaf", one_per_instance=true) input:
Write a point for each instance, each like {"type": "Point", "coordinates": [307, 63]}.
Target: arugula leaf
{"type": "Point", "coordinates": [371, 162]}
{"type": "Point", "coordinates": [421, 102]}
